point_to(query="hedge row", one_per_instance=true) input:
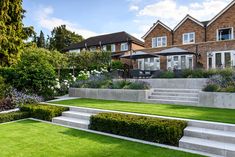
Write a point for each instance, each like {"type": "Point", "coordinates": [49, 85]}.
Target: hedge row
{"type": "Point", "coordinates": [43, 112]}
{"type": "Point", "coordinates": [145, 128]}
{"type": "Point", "coordinates": [7, 117]}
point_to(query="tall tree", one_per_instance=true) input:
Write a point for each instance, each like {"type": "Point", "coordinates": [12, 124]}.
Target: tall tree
{"type": "Point", "coordinates": [41, 40]}
{"type": "Point", "coordinates": [12, 31]}
{"type": "Point", "coordinates": [61, 38]}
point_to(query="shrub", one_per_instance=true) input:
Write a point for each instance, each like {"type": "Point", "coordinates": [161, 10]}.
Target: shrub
{"type": "Point", "coordinates": [6, 104]}
{"type": "Point", "coordinates": [145, 128]}
{"type": "Point", "coordinates": [2, 87]}
{"type": "Point", "coordinates": [35, 73]}
{"type": "Point", "coordinates": [137, 85]}
{"type": "Point", "coordinates": [11, 116]}
{"type": "Point", "coordinates": [212, 88]}
{"type": "Point", "coordinates": [120, 84]}
{"type": "Point", "coordinates": [167, 74]}
{"type": "Point", "coordinates": [117, 65]}
{"type": "Point", "coordinates": [43, 112]}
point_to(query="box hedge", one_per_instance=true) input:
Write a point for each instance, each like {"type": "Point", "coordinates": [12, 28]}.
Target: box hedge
{"type": "Point", "coordinates": [43, 112]}
{"type": "Point", "coordinates": [12, 116]}
{"type": "Point", "coordinates": [145, 128]}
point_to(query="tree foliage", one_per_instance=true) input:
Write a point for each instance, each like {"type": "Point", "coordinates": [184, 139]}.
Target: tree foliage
{"type": "Point", "coordinates": [41, 43]}
{"type": "Point", "coordinates": [12, 31]}
{"type": "Point", "coordinates": [61, 38]}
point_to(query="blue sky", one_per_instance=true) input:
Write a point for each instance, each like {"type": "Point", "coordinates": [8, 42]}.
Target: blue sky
{"type": "Point", "coordinates": [95, 17]}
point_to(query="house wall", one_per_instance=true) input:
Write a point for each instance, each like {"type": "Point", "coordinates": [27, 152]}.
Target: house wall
{"type": "Point", "coordinates": [187, 27]}
{"type": "Point", "coordinates": [225, 20]}
{"type": "Point", "coordinates": [158, 31]}
{"type": "Point", "coordinates": [136, 47]}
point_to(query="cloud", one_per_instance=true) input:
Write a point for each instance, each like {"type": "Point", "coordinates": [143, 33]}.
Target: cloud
{"type": "Point", "coordinates": [134, 8]}
{"type": "Point", "coordinates": [172, 12]}
{"type": "Point", "coordinates": [45, 19]}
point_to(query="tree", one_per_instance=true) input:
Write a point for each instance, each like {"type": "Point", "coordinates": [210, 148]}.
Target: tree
{"type": "Point", "coordinates": [41, 40]}
{"type": "Point", "coordinates": [12, 31]}
{"type": "Point", "coordinates": [61, 38]}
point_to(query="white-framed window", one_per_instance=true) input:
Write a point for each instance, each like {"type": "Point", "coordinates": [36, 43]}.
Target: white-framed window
{"type": "Point", "coordinates": [180, 62]}
{"type": "Point", "coordinates": [221, 59]}
{"type": "Point", "coordinates": [124, 46]}
{"type": "Point", "coordinates": [159, 42]}
{"type": "Point", "coordinates": [110, 48]}
{"type": "Point", "coordinates": [149, 63]}
{"type": "Point", "coordinates": [225, 34]}
{"type": "Point", "coordinates": [93, 48]}
{"type": "Point", "coordinates": [75, 51]}
{"type": "Point", "coordinates": [189, 38]}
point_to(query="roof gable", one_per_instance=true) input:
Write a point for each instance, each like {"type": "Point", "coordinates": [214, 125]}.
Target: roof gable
{"type": "Point", "coordinates": [190, 18]}
{"type": "Point", "coordinates": [221, 13]}
{"type": "Point", "coordinates": [154, 26]}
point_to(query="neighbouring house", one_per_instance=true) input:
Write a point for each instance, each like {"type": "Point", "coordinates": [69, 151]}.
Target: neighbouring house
{"type": "Point", "coordinates": [117, 43]}
{"type": "Point", "coordinates": [211, 43]}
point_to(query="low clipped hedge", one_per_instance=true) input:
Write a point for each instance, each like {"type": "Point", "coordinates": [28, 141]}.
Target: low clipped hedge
{"type": "Point", "coordinates": [12, 116]}
{"type": "Point", "coordinates": [43, 112]}
{"type": "Point", "coordinates": [145, 128]}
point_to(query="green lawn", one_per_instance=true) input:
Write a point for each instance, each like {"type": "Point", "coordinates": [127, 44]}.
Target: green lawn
{"type": "Point", "coordinates": [36, 139]}
{"type": "Point", "coordinates": [199, 113]}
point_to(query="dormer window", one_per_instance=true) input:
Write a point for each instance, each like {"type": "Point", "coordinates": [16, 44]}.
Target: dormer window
{"type": "Point", "coordinates": [189, 38]}
{"type": "Point", "coordinates": [225, 34]}
{"type": "Point", "coordinates": [159, 42]}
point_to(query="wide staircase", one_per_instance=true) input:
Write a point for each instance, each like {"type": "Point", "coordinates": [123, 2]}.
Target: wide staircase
{"type": "Point", "coordinates": [209, 137]}
{"type": "Point", "coordinates": [174, 96]}
{"type": "Point", "coordinates": [75, 117]}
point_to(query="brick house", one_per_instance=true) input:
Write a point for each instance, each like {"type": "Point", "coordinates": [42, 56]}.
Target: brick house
{"type": "Point", "coordinates": [213, 43]}
{"type": "Point", "coordinates": [117, 43]}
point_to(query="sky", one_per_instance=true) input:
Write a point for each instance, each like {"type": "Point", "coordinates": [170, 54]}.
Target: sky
{"type": "Point", "coordinates": [95, 17]}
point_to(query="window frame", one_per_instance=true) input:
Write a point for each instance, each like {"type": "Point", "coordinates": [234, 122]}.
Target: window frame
{"type": "Point", "coordinates": [126, 46]}
{"type": "Point", "coordinates": [158, 42]}
{"type": "Point", "coordinates": [188, 35]}
{"type": "Point", "coordinates": [232, 33]}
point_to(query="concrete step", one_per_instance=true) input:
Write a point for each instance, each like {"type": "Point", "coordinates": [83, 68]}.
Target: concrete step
{"type": "Point", "coordinates": [208, 146]}
{"type": "Point", "coordinates": [177, 102]}
{"type": "Point", "coordinates": [74, 122]}
{"type": "Point", "coordinates": [209, 134]}
{"type": "Point", "coordinates": [176, 90]}
{"type": "Point", "coordinates": [177, 98]}
{"type": "Point", "coordinates": [176, 94]}
{"type": "Point", "coordinates": [212, 125]}
{"type": "Point", "coordinates": [78, 115]}
{"type": "Point", "coordinates": [85, 110]}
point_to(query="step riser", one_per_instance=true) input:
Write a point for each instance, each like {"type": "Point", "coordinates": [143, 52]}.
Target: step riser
{"type": "Point", "coordinates": [213, 126]}
{"type": "Point", "coordinates": [84, 110]}
{"type": "Point", "coordinates": [175, 94]}
{"type": "Point", "coordinates": [174, 98]}
{"type": "Point", "coordinates": [211, 150]}
{"type": "Point", "coordinates": [76, 116]}
{"type": "Point", "coordinates": [172, 102]}
{"type": "Point", "coordinates": [72, 124]}
{"type": "Point", "coordinates": [219, 138]}
{"type": "Point", "coordinates": [175, 91]}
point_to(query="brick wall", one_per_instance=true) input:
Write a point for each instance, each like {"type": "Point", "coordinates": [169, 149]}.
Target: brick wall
{"type": "Point", "coordinates": [224, 21]}
{"type": "Point", "coordinates": [187, 27]}
{"type": "Point", "coordinates": [158, 31]}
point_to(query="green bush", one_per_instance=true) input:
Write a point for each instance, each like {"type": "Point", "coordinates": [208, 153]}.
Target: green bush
{"type": "Point", "coordinates": [7, 117]}
{"type": "Point", "coordinates": [43, 112]}
{"type": "Point", "coordinates": [167, 74]}
{"type": "Point", "coordinates": [145, 128]}
{"type": "Point", "coordinates": [2, 87]}
{"type": "Point", "coordinates": [211, 88]}
{"type": "Point", "coordinates": [35, 75]}
{"type": "Point", "coordinates": [137, 85]}
{"type": "Point", "coordinates": [117, 65]}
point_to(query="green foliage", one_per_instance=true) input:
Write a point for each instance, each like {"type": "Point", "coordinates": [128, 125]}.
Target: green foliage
{"type": "Point", "coordinates": [2, 87]}
{"type": "Point", "coordinates": [167, 74]}
{"type": "Point", "coordinates": [40, 40]}
{"type": "Point", "coordinates": [212, 88]}
{"type": "Point", "coordinates": [12, 32]}
{"type": "Point", "coordinates": [12, 116]}
{"type": "Point", "coordinates": [117, 65]}
{"type": "Point", "coordinates": [35, 73]}
{"type": "Point", "coordinates": [62, 38]}
{"type": "Point", "coordinates": [145, 128]}
{"type": "Point", "coordinates": [43, 112]}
